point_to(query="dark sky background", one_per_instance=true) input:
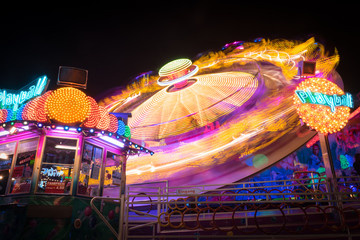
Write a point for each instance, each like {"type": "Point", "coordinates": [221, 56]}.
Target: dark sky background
{"type": "Point", "coordinates": [116, 43]}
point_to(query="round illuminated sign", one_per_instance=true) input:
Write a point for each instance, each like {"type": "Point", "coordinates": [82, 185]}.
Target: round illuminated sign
{"type": "Point", "coordinates": [67, 105]}
{"type": "Point", "coordinates": [322, 105]}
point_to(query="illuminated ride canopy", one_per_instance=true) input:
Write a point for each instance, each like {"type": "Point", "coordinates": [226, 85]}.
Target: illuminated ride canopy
{"type": "Point", "coordinates": [228, 115]}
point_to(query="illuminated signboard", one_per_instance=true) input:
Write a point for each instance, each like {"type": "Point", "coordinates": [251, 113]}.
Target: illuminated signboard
{"type": "Point", "coordinates": [12, 99]}
{"type": "Point", "coordinates": [332, 101]}
{"type": "Point", "coordinates": [322, 105]}
{"type": "Point", "coordinates": [52, 172]}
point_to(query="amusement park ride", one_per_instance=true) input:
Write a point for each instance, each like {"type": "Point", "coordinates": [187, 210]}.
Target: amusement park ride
{"type": "Point", "coordinates": [172, 154]}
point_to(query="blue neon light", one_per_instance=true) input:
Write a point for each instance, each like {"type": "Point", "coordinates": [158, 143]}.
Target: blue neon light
{"type": "Point", "coordinates": [332, 101]}
{"type": "Point", "coordinates": [13, 99]}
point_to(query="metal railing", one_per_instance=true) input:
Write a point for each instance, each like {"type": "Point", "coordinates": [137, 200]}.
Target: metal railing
{"type": "Point", "coordinates": [260, 209]}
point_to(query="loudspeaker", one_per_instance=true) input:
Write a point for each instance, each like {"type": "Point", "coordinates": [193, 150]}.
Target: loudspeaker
{"type": "Point", "coordinates": [307, 68]}
{"type": "Point", "coordinates": [72, 77]}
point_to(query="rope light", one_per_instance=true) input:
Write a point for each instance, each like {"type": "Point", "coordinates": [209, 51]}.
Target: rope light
{"type": "Point", "coordinates": [19, 112]}
{"type": "Point", "coordinates": [40, 112]}
{"type": "Point", "coordinates": [127, 133]}
{"type": "Point", "coordinates": [30, 110]}
{"type": "Point", "coordinates": [104, 121]}
{"type": "Point", "coordinates": [94, 114]}
{"type": "Point", "coordinates": [113, 126]}
{"type": "Point", "coordinates": [121, 128]}
{"type": "Point", "coordinates": [3, 115]}
{"type": "Point", "coordinates": [10, 114]}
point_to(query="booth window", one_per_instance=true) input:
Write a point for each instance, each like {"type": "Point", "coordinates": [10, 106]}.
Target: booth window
{"type": "Point", "coordinates": [6, 156]}
{"type": "Point", "coordinates": [57, 166]}
{"type": "Point", "coordinates": [90, 170]}
{"type": "Point", "coordinates": [23, 169]}
{"type": "Point", "coordinates": [112, 178]}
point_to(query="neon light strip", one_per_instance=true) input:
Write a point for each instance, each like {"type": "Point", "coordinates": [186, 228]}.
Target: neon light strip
{"type": "Point", "coordinates": [16, 99]}
{"type": "Point", "coordinates": [113, 141]}
{"type": "Point", "coordinates": [332, 101]}
{"type": "Point", "coordinates": [65, 147]}
{"type": "Point", "coordinates": [3, 133]}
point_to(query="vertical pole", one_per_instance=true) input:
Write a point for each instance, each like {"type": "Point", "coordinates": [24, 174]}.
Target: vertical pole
{"type": "Point", "coordinates": [102, 175]}
{"type": "Point", "coordinates": [328, 163]}
{"type": "Point", "coordinates": [37, 164]}
{"type": "Point", "coordinates": [122, 196]}
{"type": "Point", "coordinates": [329, 167]}
{"type": "Point", "coordinates": [123, 175]}
{"type": "Point", "coordinates": [77, 165]}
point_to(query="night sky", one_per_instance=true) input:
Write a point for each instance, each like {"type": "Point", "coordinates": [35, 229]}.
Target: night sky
{"type": "Point", "coordinates": [116, 43]}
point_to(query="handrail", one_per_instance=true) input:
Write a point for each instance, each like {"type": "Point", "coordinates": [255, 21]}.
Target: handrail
{"type": "Point", "coordinates": [171, 205]}
{"type": "Point", "coordinates": [186, 212]}
{"type": "Point", "coordinates": [287, 182]}
{"type": "Point", "coordinates": [102, 216]}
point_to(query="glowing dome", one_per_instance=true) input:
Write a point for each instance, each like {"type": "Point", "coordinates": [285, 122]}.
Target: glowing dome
{"type": "Point", "coordinates": [174, 67]}
{"type": "Point", "coordinates": [177, 71]}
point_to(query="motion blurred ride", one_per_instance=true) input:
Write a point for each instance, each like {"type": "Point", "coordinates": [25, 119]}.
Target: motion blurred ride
{"type": "Point", "coordinates": [224, 116]}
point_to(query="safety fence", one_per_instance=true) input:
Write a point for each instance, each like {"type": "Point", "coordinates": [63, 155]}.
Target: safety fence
{"type": "Point", "coordinates": [312, 208]}
{"type": "Point", "coordinates": [262, 209]}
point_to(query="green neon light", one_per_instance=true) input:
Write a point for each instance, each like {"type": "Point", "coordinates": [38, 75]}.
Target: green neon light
{"type": "Point", "coordinates": [10, 99]}
{"type": "Point", "coordinates": [332, 101]}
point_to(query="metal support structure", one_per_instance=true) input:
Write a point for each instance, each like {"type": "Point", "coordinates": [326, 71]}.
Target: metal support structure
{"type": "Point", "coordinates": [122, 196]}
{"type": "Point", "coordinates": [330, 169]}
{"type": "Point", "coordinates": [326, 154]}
{"type": "Point", "coordinates": [121, 233]}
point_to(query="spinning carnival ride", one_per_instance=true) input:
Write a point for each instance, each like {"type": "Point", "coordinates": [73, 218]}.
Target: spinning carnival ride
{"type": "Point", "coordinates": [224, 117]}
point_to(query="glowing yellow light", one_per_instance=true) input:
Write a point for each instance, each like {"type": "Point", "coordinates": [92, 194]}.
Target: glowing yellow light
{"type": "Point", "coordinates": [320, 117]}
{"type": "Point", "coordinates": [67, 105]}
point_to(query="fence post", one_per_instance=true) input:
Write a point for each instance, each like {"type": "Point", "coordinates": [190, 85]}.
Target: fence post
{"type": "Point", "coordinates": [330, 172]}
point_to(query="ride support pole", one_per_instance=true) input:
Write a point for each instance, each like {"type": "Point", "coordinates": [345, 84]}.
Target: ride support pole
{"type": "Point", "coordinates": [330, 171]}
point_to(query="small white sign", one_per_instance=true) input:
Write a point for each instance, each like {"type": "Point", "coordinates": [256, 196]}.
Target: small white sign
{"type": "Point", "coordinates": [188, 191]}
{"type": "Point", "coordinates": [116, 177]}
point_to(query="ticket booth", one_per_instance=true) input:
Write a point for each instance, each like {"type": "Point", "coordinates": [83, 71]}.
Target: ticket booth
{"type": "Point", "coordinates": [58, 149]}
